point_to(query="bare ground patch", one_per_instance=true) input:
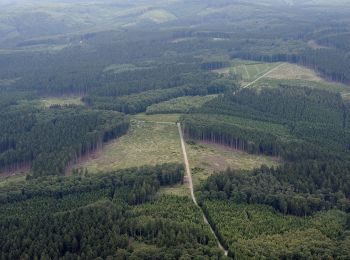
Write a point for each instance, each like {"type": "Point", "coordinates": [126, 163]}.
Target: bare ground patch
{"type": "Point", "coordinates": [292, 71]}
{"type": "Point", "coordinates": [206, 158]}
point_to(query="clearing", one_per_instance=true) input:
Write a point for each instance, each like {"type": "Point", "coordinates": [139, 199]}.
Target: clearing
{"type": "Point", "coordinates": [207, 158]}
{"type": "Point", "coordinates": [146, 143]}
{"type": "Point", "coordinates": [154, 139]}
{"type": "Point", "coordinates": [257, 74]}
{"type": "Point", "coordinates": [247, 70]}
{"type": "Point", "coordinates": [293, 71]}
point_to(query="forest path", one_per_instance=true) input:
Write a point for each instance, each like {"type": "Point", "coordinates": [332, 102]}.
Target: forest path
{"type": "Point", "coordinates": [259, 78]}
{"type": "Point", "coordinates": [189, 178]}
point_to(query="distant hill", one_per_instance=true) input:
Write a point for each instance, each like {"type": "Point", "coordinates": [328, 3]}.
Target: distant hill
{"type": "Point", "coordinates": [23, 20]}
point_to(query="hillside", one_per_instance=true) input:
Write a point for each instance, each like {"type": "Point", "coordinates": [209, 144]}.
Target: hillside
{"type": "Point", "coordinates": [150, 129]}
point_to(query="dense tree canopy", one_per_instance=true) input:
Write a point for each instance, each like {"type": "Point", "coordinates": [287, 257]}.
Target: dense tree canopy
{"type": "Point", "coordinates": [49, 139]}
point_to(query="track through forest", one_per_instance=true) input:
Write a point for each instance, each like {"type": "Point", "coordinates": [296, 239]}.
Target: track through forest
{"type": "Point", "coordinates": [189, 178]}
{"type": "Point", "coordinates": [259, 78]}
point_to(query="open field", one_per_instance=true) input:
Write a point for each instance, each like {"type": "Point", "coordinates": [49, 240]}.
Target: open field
{"type": "Point", "coordinates": [281, 73]}
{"type": "Point", "coordinates": [50, 101]}
{"type": "Point", "coordinates": [247, 70]}
{"type": "Point", "coordinates": [146, 143]}
{"type": "Point", "coordinates": [250, 70]}
{"type": "Point", "coordinates": [151, 140]}
{"type": "Point", "coordinates": [150, 143]}
{"type": "Point", "coordinates": [207, 158]}
{"type": "Point", "coordinates": [293, 71]}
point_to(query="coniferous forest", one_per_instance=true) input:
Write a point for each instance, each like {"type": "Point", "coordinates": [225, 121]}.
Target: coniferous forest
{"type": "Point", "coordinates": [93, 95]}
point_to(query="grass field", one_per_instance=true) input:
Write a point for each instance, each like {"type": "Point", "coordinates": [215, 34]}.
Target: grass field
{"type": "Point", "coordinates": [154, 139]}
{"type": "Point", "coordinates": [248, 70]}
{"type": "Point", "coordinates": [50, 101]}
{"type": "Point", "coordinates": [151, 140]}
{"type": "Point", "coordinates": [206, 158]}
{"type": "Point", "coordinates": [146, 143]}
{"type": "Point", "coordinates": [296, 72]}
{"type": "Point", "coordinates": [286, 74]}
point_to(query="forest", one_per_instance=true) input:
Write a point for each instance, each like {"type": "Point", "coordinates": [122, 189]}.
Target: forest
{"type": "Point", "coordinates": [308, 129]}
{"type": "Point", "coordinates": [91, 161]}
{"type": "Point", "coordinates": [274, 121]}
{"type": "Point", "coordinates": [88, 216]}
{"type": "Point", "coordinates": [49, 139]}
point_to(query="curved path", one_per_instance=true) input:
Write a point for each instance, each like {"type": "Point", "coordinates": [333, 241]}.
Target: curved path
{"type": "Point", "coordinates": [189, 178]}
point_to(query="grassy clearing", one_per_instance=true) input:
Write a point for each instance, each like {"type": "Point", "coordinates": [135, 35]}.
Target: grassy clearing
{"type": "Point", "coordinates": [206, 158]}
{"type": "Point", "coordinates": [287, 74]}
{"type": "Point", "coordinates": [179, 105]}
{"type": "Point", "coordinates": [145, 144]}
{"type": "Point", "coordinates": [247, 70]}
{"type": "Point", "coordinates": [148, 142]}
{"type": "Point", "coordinates": [50, 101]}
{"type": "Point", "coordinates": [250, 72]}
{"type": "Point", "coordinates": [296, 72]}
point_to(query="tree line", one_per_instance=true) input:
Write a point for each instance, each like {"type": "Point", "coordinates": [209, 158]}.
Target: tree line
{"type": "Point", "coordinates": [49, 139]}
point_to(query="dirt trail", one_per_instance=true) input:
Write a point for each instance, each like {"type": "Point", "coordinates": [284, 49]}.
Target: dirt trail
{"type": "Point", "coordinates": [267, 73]}
{"type": "Point", "coordinates": [189, 179]}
